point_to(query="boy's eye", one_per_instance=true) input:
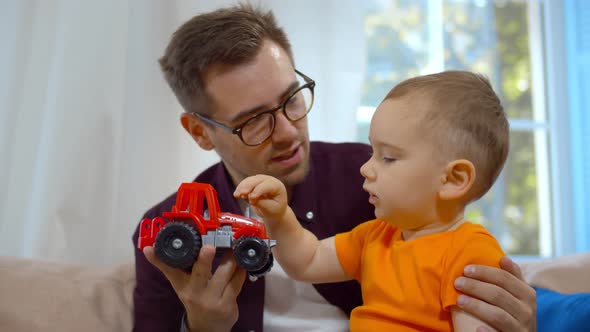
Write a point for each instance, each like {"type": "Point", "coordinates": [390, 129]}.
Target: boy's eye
{"type": "Point", "coordinates": [388, 160]}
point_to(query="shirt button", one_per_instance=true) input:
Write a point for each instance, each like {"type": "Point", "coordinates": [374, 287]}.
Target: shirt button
{"type": "Point", "coordinates": [309, 215]}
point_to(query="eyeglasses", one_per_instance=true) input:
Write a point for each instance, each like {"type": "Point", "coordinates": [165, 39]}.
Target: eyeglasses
{"type": "Point", "coordinates": [260, 127]}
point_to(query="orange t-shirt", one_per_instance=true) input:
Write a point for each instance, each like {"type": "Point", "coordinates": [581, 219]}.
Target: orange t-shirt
{"type": "Point", "coordinates": [408, 286]}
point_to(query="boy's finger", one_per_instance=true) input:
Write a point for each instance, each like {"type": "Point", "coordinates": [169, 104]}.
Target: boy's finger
{"type": "Point", "coordinates": [244, 188]}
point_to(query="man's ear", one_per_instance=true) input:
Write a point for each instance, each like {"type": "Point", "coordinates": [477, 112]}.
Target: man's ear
{"type": "Point", "coordinates": [457, 179]}
{"type": "Point", "coordinates": [196, 128]}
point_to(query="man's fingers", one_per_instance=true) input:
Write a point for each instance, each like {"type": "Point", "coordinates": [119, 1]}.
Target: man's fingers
{"type": "Point", "coordinates": [483, 329]}
{"type": "Point", "coordinates": [510, 279]}
{"type": "Point", "coordinates": [175, 276]}
{"type": "Point", "coordinates": [233, 288]}
{"type": "Point", "coordinates": [508, 265]}
{"type": "Point", "coordinates": [491, 294]}
{"type": "Point", "coordinates": [201, 272]}
{"type": "Point", "coordinates": [501, 278]}
{"type": "Point", "coordinates": [504, 290]}
{"type": "Point", "coordinates": [223, 275]}
{"type": "Point", "coordinates": [490, 314]}
{"type": "Point", "coordinates": [527, 293]}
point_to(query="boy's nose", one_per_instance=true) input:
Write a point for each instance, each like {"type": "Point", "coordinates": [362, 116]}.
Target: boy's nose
{"type": "Point", "coordinates": [366, 171]}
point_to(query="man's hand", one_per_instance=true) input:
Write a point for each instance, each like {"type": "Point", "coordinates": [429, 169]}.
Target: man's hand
{"type": "Point", "coordinates": [500, 297]}
{"type": "Point", "coordinates": [209, 300]}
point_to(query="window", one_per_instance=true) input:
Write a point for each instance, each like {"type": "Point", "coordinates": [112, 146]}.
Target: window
{"type": "Point", "coordinates": [503, 40]}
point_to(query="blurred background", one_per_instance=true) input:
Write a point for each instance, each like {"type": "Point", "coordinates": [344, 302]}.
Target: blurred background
{"type": "Point", "coordinates": [90, 136]}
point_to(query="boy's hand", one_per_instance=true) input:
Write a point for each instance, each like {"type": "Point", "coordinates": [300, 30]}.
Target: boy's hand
{"type": "Point", "coordinates": [266, 194]}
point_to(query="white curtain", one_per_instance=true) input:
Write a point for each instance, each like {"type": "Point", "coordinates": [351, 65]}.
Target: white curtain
{"type": "Point", "coordinates": [89, 131]}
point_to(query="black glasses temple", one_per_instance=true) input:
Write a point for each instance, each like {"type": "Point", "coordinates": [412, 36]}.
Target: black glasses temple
{"type": "Point", "coordinates": [213, 122]}
{"type": "Point", "coordinates": [306, 78]}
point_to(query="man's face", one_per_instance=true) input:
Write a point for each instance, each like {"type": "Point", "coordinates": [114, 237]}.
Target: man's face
{"type": "Point", "coordinates": [240, 92]}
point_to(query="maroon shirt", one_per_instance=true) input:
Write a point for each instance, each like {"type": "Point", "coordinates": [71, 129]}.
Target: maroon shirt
{"type": "Point", "coordinates": [332, 191]}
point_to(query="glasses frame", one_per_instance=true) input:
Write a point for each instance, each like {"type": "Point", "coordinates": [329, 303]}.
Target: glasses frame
{"type": "Point", "coordinates": [237, 130]}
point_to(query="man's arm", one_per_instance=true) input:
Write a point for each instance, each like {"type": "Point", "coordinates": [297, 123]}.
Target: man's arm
{"type": "Point", "coordinates": [499, 297]}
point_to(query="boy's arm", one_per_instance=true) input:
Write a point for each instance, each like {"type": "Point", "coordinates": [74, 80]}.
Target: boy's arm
{"type": "Point", "coordinates": [300, 253]}
{"type": "Point", "coordinates": [465, 322]}
{"type": "Point", "coordinates": [303, 256]}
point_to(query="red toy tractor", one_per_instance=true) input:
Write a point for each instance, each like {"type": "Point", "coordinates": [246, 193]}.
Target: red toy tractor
{"type": "Point", "coordinates": [179, 234]}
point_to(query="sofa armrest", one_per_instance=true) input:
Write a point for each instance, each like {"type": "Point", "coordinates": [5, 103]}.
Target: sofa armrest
{"type": "Point", "coordinates": [48, 296]}
{"type": "Point", "coordinates": [566, 274]}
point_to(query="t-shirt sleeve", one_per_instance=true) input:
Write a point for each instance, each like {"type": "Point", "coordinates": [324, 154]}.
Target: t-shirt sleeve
{"type": "Point", "coordinates": [476, 246]}
{"type": "Point", "coordinates": [349, 248]}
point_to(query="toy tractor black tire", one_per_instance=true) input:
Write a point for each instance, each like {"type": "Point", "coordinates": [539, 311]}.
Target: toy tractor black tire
{"type": "Point", "coordinates": [178, 245]}
{"type": "Point", "coordinates": [251, 253]}
{"type": "Point", "coordinates": [264, 269]}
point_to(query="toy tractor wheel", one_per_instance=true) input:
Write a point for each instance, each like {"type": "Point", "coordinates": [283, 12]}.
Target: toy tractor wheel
{"type": "Point", "coordinates": [251, 253]}
{"type": "Point", "coordinates": [263, 270]}
{"type": "Point", "coordinates": [178, 245]}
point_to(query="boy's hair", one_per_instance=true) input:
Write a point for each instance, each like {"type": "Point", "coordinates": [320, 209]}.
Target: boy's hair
{"type": "Point", "coordinates": [467, 119]}
{"type": "Point", "coordinates": [230, 35]}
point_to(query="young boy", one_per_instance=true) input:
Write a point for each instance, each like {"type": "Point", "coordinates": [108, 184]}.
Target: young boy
{"type": "Point", "coordinates": [439, 142]}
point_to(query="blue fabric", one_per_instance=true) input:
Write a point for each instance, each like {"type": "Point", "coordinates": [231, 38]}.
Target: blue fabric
{"type": "Point", "coordinates": [562, 312]}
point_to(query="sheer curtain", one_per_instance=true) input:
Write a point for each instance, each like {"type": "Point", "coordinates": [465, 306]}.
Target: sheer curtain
{"type": "Point", "coordinates": [89, 131]}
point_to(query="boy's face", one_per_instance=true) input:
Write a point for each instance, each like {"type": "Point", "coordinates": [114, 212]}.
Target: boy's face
{"type": "Point", "coordinates": [405, 172]}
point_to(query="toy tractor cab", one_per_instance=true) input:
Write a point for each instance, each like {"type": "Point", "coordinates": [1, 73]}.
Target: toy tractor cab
{"type": "Point", "coordinates": [196, 220]}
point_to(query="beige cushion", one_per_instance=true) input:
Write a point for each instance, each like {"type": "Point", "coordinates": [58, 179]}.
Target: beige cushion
{"type": "Point", "coordinates": [566, 274]}
{"type": "Point", "coordinates": [47, 296]}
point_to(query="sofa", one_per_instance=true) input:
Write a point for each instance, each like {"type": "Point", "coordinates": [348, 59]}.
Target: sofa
{"type": "Point", "coordinates": [38, 295]}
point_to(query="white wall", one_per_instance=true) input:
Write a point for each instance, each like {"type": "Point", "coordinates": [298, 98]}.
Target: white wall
{"type": "Point", "coordinates": [89, 131]}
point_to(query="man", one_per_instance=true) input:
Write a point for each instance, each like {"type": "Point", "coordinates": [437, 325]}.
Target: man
{"type": "Point", "coordinates": [233, 72]}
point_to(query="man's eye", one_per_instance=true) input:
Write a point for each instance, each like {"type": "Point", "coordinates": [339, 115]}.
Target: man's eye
{"type": "Point", "coordinates": [294, 99]}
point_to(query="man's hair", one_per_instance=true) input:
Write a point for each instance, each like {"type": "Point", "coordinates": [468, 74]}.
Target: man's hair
{"type": "Point", "coordinates": [466, 118]}
{"type": "Point", "coordinates": [231, 36]}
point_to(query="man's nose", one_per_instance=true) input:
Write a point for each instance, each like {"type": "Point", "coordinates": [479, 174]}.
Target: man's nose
{"type": "Point", "coordinates": [285, 130]}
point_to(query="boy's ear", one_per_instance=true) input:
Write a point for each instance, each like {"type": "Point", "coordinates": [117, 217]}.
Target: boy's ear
{"type": "Point", "coordinates": [196, 128]}
{"type": "Point", "coordinates": [457, 179]}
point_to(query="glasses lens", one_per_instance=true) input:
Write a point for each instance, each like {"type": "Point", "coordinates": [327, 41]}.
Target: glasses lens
{"type": "Point", "coordinates": [299, 104]}
{"type": "Point", "coordinates": [258, 128]}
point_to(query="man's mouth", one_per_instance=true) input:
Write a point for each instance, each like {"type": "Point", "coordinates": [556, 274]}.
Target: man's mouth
{"type": "Point", "coordinates": [285, 155]}
{"type": "Point", "coordinates": [289, 158]}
